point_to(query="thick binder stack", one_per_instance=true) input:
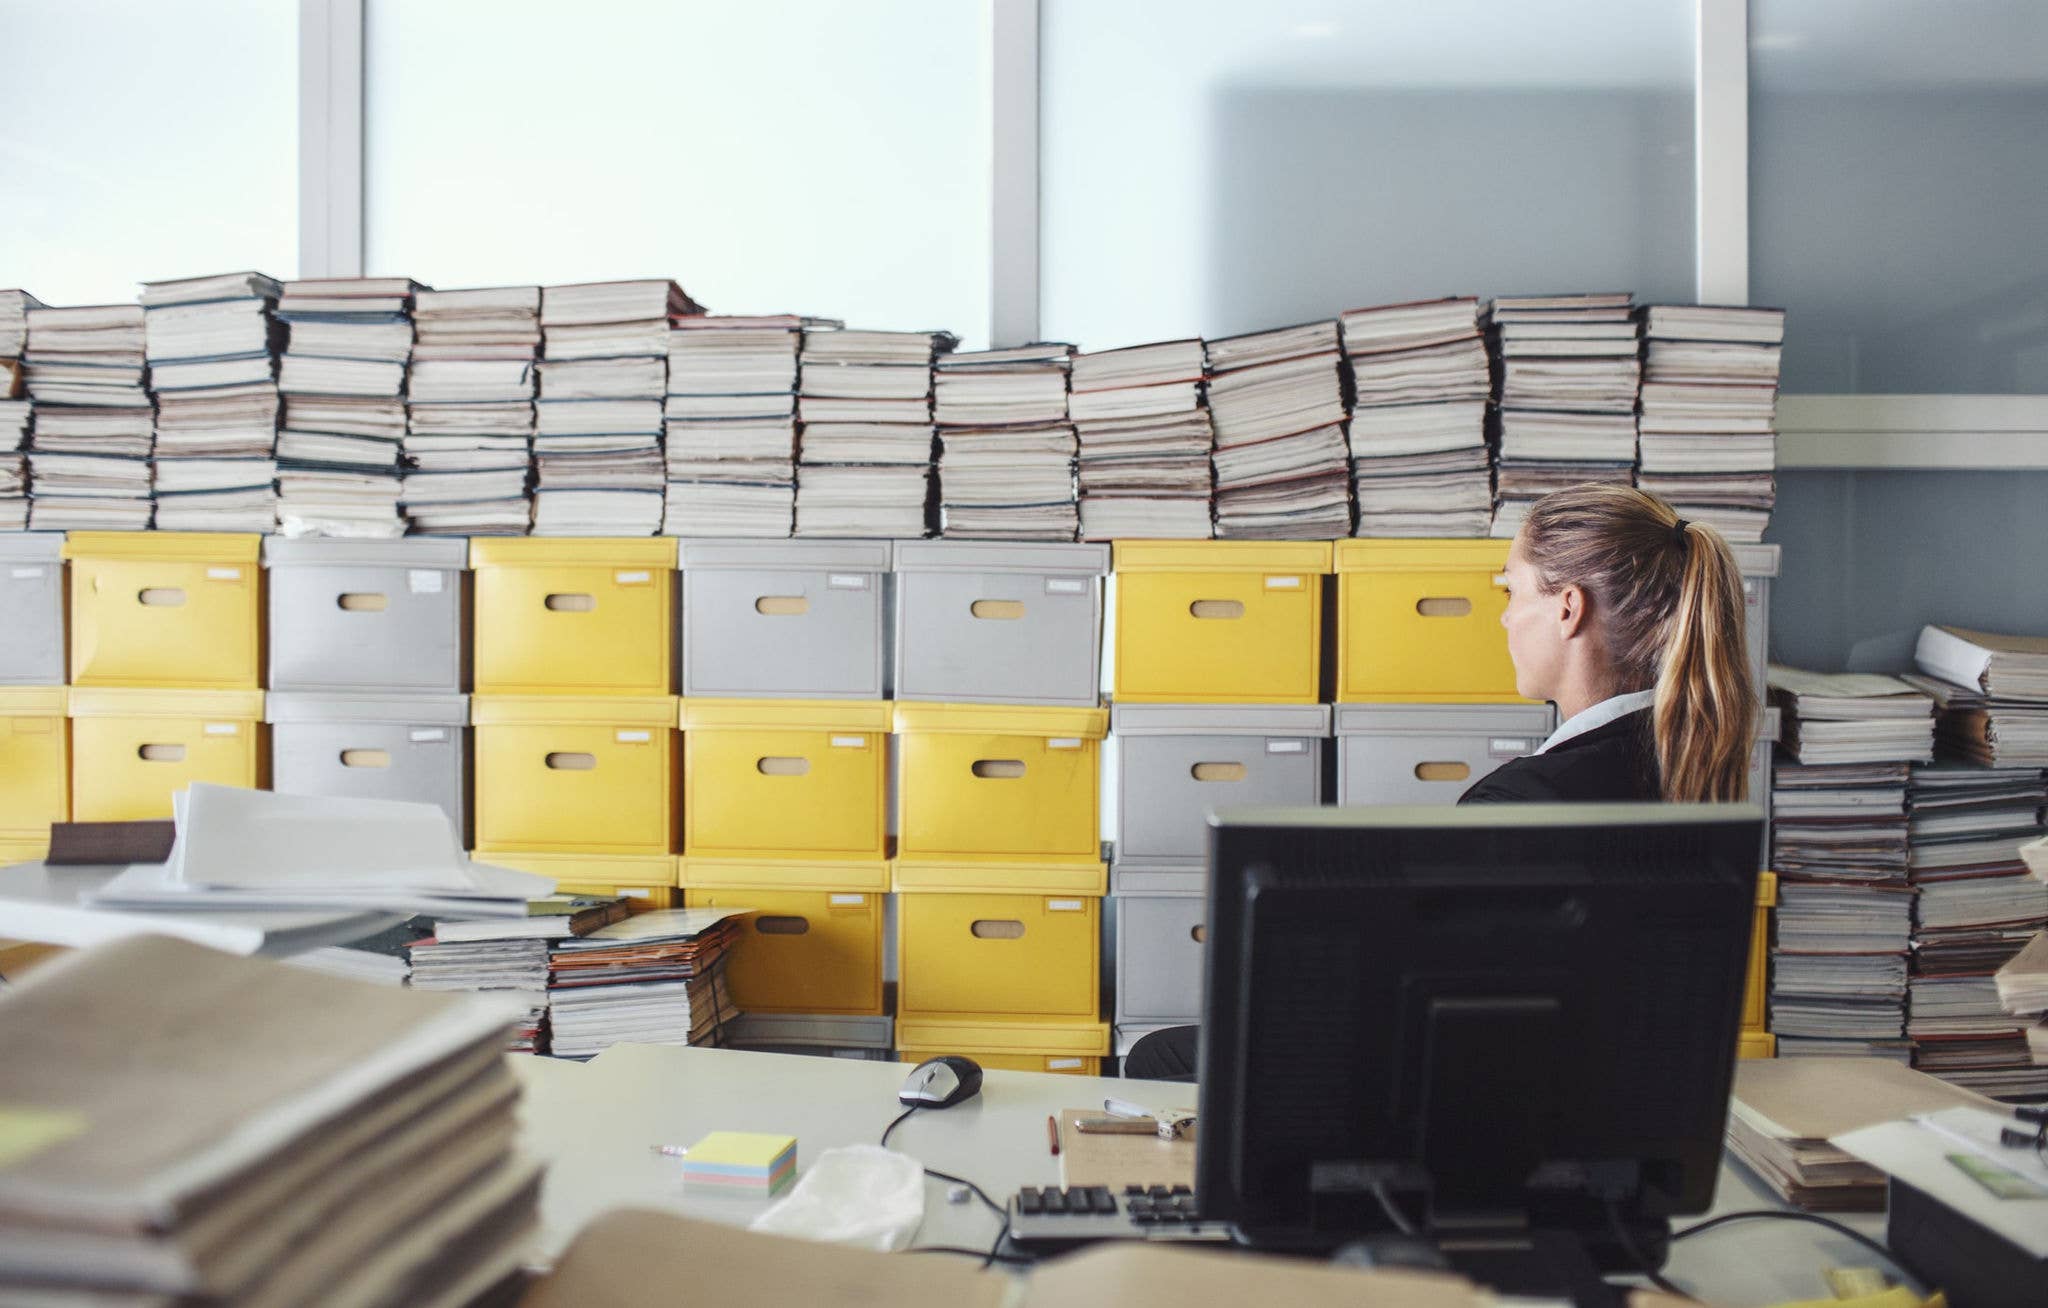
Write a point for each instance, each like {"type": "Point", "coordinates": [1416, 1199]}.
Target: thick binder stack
{"type": "Point", "coordinates": [1282, 466]}
{"type": "Point", "coordinates": [1710, 393]}
{"type": "Point", "coordinates": [469, 411]}
{"type": "Point", "coordinates": [1146, 442]}
{"type": "Point", "coordinates": [212, 344]}
{"type": "Point", "coordinates": [1570, 370]}
{"type": "Point", "coordinates": [603, 376]}
{"type": "Point", "coordinates": [343, 378]}
{"type": "Point", "coordinates": [1006, 449]}
{"type": "Point", "coordinates": [1421, 380]}
{"type": "Point", "coordinates": [89, 456]}
{"type": "Point", "coordinates": [730, 424]}
{"type": "Point", "coordinates": [864, 465]}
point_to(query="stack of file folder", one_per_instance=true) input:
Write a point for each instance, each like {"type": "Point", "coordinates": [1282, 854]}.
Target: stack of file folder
{"type": "Point", "coordinates": [2022, 985]}
{"type": "Point", "coordinates": [730, 424]}
{"type": "Point", "coordinates": [469, 411]}
{"type": "Point", "coordinates": [1283, 469]}
{"type": "Point", "coordinates": [212, 345]}
{"type": "Point", "coordinates": [1990, 693]}
{"type": "Point", "coordinates": [343, 378]}
{"type": "Point", "coordinates": [89, 456]}
{"type": "Point", "coordinates": [1421, 379]}
{"type": "Point", "coordinates": [1570, 372]}
{"type": "Point", "coordinates": [1146, 442]}
{"type": "Point", "coordinates": [1006, 449]}
{"type": "Point", "coordinates": [658, 978]}
{"type": "Point", "coordinates": [1710, 392]}
{"type": "Point", "coordinates": [864, 465]}
{"type": "Point", "coordinates": [15, 418]}
{"type": "Point", "coordinates": [1852, 717]}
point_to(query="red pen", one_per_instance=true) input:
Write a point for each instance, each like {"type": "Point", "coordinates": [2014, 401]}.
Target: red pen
{"type": "Point", "coordinates": [1052, 1135]}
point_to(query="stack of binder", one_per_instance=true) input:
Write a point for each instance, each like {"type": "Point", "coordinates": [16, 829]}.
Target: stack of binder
{"type": "Point", "coordinates": [89, 456]}
{"type": "Point", "coordinates": [864, 466]}
{"type": "Point", "coordinates": [1570, 370]}
{"type": "Point", "coordinates": [1282, 465]}
{"type": "Point", "coordinates": [1710, 391]}
{"type": "Point", "coordinates": [212, 344]}
{"type": "Point", "coordinates": [343, 378]}
{"type": "Point", "coordinates": [469, 411]}
{"type": "Point", "coordinates": [1420, 465]}
{"type": "Point", "coordinates": [1146, 442]}
{"type": "Point", "coordinates": [729, 423]}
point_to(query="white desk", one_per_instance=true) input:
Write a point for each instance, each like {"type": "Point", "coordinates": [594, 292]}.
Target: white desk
{"type": "Point", "coordinates": [46, 904]}
{"type": "Point", "coordinates": [594, 1125]}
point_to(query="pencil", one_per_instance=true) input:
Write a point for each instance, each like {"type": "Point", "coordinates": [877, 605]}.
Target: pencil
{"type": "Point", "coordinates": [1052, 1135]}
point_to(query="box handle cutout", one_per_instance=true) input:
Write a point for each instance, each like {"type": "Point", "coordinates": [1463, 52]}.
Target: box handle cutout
{"type": "Point", "coordinates": [995, 928]}
{"type": "Point", "coordinates": [782, 766]}
{"type": "Point", "coordinates": [1442, 771]}
{"type": "Point", "coordinates": [161, 597]}
{"type": "Point", "coordinates": [999, 769]}
{"type": "Point", "coordinates": [365, 758]}
{"type": "Point", "coordinates": [364, 602]}
{"type": "Point", "coordinates": [1199, 932]}
{"type": "Point", "coordinates": [1007, 610]}
{"type": "Point", "coordinates": [782, 926]}
{"type": "Point", "coordinates": [1448, 606]}
{"type": "Point", "coordinates": [1217, 771]}
{"type": "Point", "coordinates": [161, 753]}
{"type": "Point", "coordinates": [563, 762]}
{"type": "Point", "coordinates": [570, 603]}
{"type": "Point", "coordinates": [1217, 608]}
{"type": "Point", "coordinates": [782, 606]}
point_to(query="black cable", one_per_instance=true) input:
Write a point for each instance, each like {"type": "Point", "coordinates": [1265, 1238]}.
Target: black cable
{"type": "Point", "coordinates": [898, 1122]}
{"type": "Point", "coordinates": [1635, 1253]}
{"type": "Point", "coordinates": [1014, 1260]}
{"type": "Point", "coordinates": [1003, 1214]}
{"type": "Point", "coordinates": [1789, 1215]}
{"type": "Point", "coordinates": [1394, 1214]}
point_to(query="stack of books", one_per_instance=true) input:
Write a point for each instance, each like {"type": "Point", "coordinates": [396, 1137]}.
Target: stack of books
{"type": "Point", "coordinates": [14, 306]}
{"type": "Point", "coordinates": [658, 978]}
{"type": "Point", "coordinates": [603, 377]}
{"type": "Point", "coordinates": [1852, 717]}
{"type": "Point", "coordinates": [1420, 382]}
{"type": "Point", "coordinates": [1006, 449]}
{"type": "Point", "coordinates": [1146, 442]}
{"type": "Point", "coordinates": [1570, 370]}
{"type": "Point", "coordinates": [89, 455]}
{"type": "Point", "coordinates": [730, 424]}
{"type": "Point", "coordinates": [15, 415]}
{"type": "Point", "coordinates": [1710, 393]}
{"type": "Point", "coordinates": [469, 411]}
{"type": "Point", "coordinates": [212, 344]}
{"type": "Point", "coordinates": [741, 1162]}
{"type": "Point", "coordinates": [864, 466]}
{"type": "Point", "coordinates": [1282, 466]}
{"type": "Point", "coordinates": [343, 378]}
{"type": "Point", "coordinates": [1990, 694]}
{"type": "Point", "coordinates": [511, 955]}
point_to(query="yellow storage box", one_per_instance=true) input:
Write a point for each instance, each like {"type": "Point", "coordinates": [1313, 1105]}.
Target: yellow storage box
{"type": "Point", "coordinates": [995, 876]}
{"type": "Point", "coordinates": [1018, 1045]}
{"type": "Point", "coordinates": [803, 951]}
{"type": "Point", "coordinates": [35, 769]}
{"type": "Point", "coordinates": [1219, 622]}
{"type": "Point", "coordinates": [985, 780]}
{"type": "Point", "coordinates": [1756, 1044]}
{"type": "Point", "coordinates": [1418, 622]}
{"type": "Point", "coordinates": [998, 955]}
{"type": "Point", "coordinates": [166, 609]}
{"type": "Point", "coordinates": [131, 750]}
{"type": "Point", "coordinates": [793, 872]}
{"type": "Point", "coordinates": [643, 879]}
{"type": "Point", "coordinates": [807, 777]}
{"type": "Point", "coordinates": [587, 617]}
{"type": "Point", "coordinates": [575, 774]}
{"type": "Point", "coordinates": [1757, 989]}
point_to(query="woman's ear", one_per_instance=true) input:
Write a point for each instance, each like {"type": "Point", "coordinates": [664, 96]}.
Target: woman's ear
{"type": "Point", "coordinates": [1571, 611]}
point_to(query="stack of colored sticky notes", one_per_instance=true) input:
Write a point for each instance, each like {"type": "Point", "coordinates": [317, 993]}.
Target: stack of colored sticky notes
{"type": "Point", "coordinates": [742, 1162]}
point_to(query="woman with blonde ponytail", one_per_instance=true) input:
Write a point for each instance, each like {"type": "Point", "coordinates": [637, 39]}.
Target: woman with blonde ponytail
{"type": "Point", "coordinates": [1630, 619]}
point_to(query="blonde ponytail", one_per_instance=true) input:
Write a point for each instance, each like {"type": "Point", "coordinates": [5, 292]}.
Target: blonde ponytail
{"type": "Point", "coordinates": [1667, 600]}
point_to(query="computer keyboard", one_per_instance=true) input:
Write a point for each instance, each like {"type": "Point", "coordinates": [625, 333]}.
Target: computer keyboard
{"type": "Point", "coordinates": [1055, 1216]}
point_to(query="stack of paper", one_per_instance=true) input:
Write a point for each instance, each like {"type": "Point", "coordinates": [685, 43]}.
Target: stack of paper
{"type": "Point", "coordinates": [15, 416]}
{"type": "Point", "coordinates": [517, 969]}
{"type": "Point", "coordinates": [343, 378]}
{"type": "Point", "coordinates": [469, 411]}
{"type": "Point", "coordinates": [1990, 692]}
{"type": "Point", "coordinates": [658, 978]}
{"type": "Point", "coordinates": [1006, 451]}
{"type": "Point", "coordinates": [1852, 717]}
{"type": "Point", "coordinates": [1145, 442]}
{"type": "Point", "coordinates": [603, 376]}
{"type": "Point", "coordinates": [1420, 465]}
{"type": "Point", "coordinates": [1569, 376]}
{"type": "Point", "coordinates": [212, 344]}
{"type": "Point", "coordinates": [1282, 466]}
{"type": "Point", "coordinates": [1025, 386]}
{"type": "Point", "coordinates": [14, 306]}
{"type": "Point", "coordinates": [186, 1126]}
{"type": "Point", "coordinates": [1710, 390]}
{"type": "Point", "coordinates": [2023, 991]}
{"type": "Point", "coordinates": [741, 1162]}
{"type": "Point", "coordinates": [89, 456]}
{"type": "Point", "coordinates": [730, 424]}
{"type": "Point", "coordinates": [865, 462]}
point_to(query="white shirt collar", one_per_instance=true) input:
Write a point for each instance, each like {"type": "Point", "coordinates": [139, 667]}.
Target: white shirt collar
{"type": "Point", "coordinates": [1598, 715]}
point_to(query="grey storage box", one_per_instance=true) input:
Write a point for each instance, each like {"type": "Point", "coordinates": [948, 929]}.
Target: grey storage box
{"type": "Point", "coordinates": [872, 1039]}
{"type": "Point", "coordinates": [32, 600]}
{"type": "Point", "coordinates": [1759, 564]}
{"type": "Point", "coordinates": [362, 746]}
{"type": "Point", "coordinates": [1429, 753]}
{"type": "Point", "coordinates": [1159, 959]}
{"type": "Point", "coordinates": [999, 623]}
{"type": "Point", "coordinates": [375, 616]}
{"type": "Point", "coordinates": [1177, 763]}
{"type": "Point", "coordinates": [785, 618]}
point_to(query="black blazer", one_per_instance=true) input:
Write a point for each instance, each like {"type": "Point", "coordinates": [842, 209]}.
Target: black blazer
{"type": "Point", "coordinates": [1617, 761]}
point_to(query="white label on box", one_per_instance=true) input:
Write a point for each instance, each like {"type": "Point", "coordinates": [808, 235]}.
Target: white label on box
{"type": "Point", "coordinates": [634, 892]}
{"type": "Point", "coordinates": [426, 735]}
{"type": "Point", "coordinates": [1064, 742]}
{"type": "Point", "coordinates": [849, 742]}
{"type": "Point", "coordinates": [1063, 906]}
{"type": "Point", "coordinates": [846, 581]}
{"type": "Point", "coordinates": [633, 737]}
{"type": "Point", "coordinates": [1287, 747]}
{"type": "Point", "coordinates": [632, 578]}
{"type": "Point", "coordinates": [1065, 586]}
{"type": "Point", "coordinates": [423, 581]}
{"type": "Point", "coordinates": [1509, 746]}
{"type": "Point", "coordinates": [223, 574]}
{"type": "Point", "coordinates": [1061, 1064]}
{"type": "Point", "coordinates": [1283, 583]}
{"type": "Point", "coordinates": [848, 901]}
{"type": "Point", "coordinates": [222, 729]}
{"type": "Point", "coordinates": [23, 574]}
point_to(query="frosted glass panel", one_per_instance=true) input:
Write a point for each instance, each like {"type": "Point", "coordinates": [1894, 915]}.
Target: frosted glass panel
{"type": "Point", "coordinates": [1899, 178]}
{"type": "Point", "coordinates": [804, 156]}
{"type": "Point", "coordinates": [144, 141]}
{"type": "Point", "coordinates": [1215, 167]}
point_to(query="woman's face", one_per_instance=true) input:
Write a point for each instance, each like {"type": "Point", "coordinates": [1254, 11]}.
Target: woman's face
{"type": "Point", "coordinates": [1535, 632]}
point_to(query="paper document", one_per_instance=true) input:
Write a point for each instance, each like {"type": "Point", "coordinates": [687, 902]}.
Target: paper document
{"type": "Point", "coordinates": [1910, 1152]}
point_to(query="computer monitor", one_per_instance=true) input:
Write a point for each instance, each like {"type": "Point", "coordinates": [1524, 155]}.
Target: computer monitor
{"type": "Point", "coordinates": [1521, 1014]}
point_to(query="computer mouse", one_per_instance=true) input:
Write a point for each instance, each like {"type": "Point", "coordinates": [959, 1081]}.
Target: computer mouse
{"type": "Point", "coordinates": [941, 1082]}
